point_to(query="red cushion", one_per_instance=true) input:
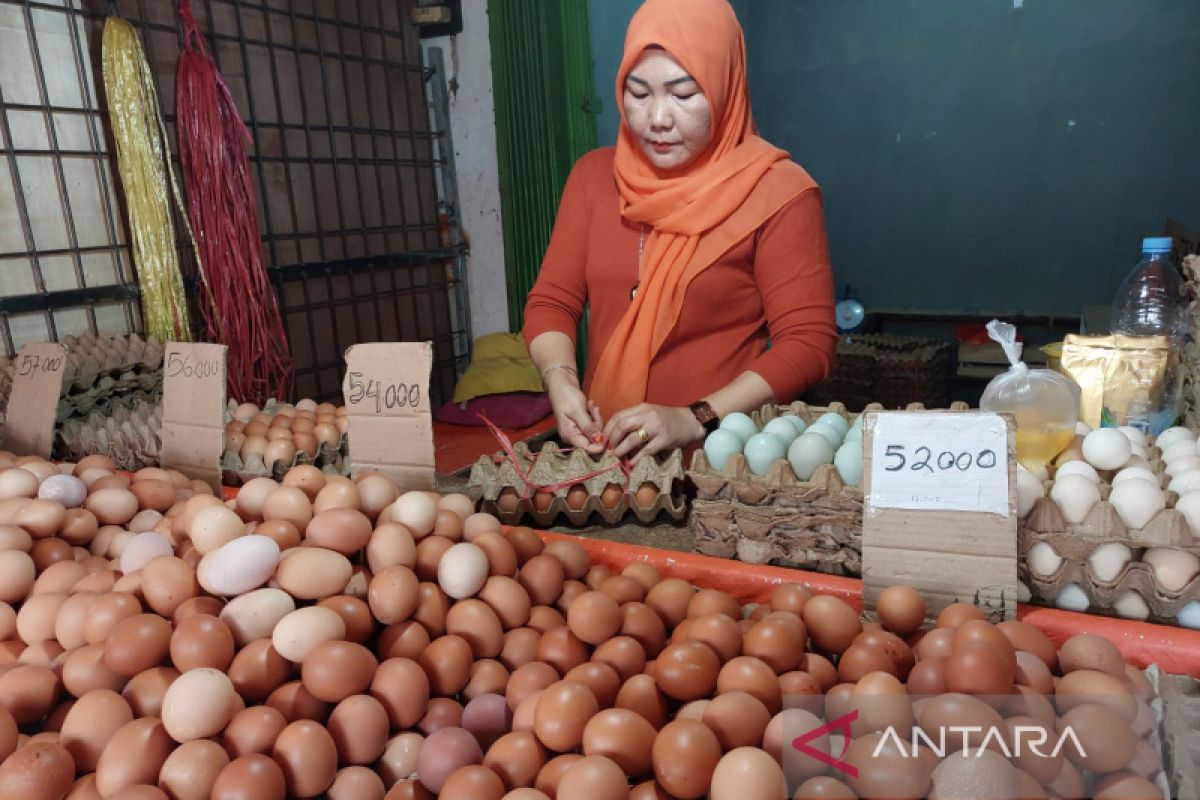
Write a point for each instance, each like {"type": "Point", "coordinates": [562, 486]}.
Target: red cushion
{"type": "Point", "coordinates": [511, 410]}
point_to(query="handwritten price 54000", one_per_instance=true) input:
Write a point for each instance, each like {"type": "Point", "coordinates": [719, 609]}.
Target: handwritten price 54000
{"type": "Point", "coordinates": [396, 395]}
{"type": "Point", "coordinates": [923, 459]}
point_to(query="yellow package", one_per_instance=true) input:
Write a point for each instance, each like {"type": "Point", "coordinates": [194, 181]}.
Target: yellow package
{"type": "Point", "coordinates": [1085, 360]}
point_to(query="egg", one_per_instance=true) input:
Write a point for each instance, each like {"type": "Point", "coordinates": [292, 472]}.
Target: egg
{"type": "Point", "coordinates": [1072, 598]}
{"type": "Point", "coordinates": [782, 428]}
{"type": "Point", "coordinates": [1043, 560]}
{"type": "Point", "coordinates": [1189, 615]}
{"type": "Point", "coordinates": [1131, 605]}
{"type": "Point", "coordinates": [298, 633]}
{"type": "Point", "coordinates": [1134, 435]}
{"type": "Point", "coordinates": [685, 756]}
{"type": "Point", "coordinates": [1029, 491]}
{"type": "Point", "coordinates": [1106, 448]}
{"type": "Point", "coordinates": [214, 526]}
{"type": "Point", "coordinates": [901, 609]}
{"type": "Point", "coordinates": [830, 432]}
{"type": "Point", "coordinates": [1075, 495]}
{"type": "Point", "coordinates": [238, 566]}
{"type": "Point", "coordinates": [1172, 436]}
{"type": "Point", "coordinates": [720, 445]}
{"type": "Point", "coordinates": [1132, 473]}
{"type": "Point", "coordinates": [1182, 465]}
{"type": "Point", "coordinates": [142, 549]}
{"type": "Point", "coordinates": [646, 495]}
{"type": "Point", "coordinates": [849, 462]}
{"type": "Point", "coordinates": [1108, 561]}
{"type": "Point", "coordinates": [463, 570]}
{"type": "Point", "coordinates": [255, 614]}
{"type": "Point", "coordinates": [740, 425]}
{"type": "Point", "coordinates": [797, 423]}
{"type": "Point", "coordinates": [306, 752]}
{"type": "Point", "coordinates": [198, 704]}
{"type": "Point", "coordinates": [416, 511]}
{"type": "Point", "coordinates": [1173, 569]}
{"type": "Point", "coordinates": [1077, 468]}
{"type": "Point", "coordinates": [809, 451]}
{"type": "Point", "coordinates": [762, 450]}
{"type": "Point", "coordinates": [67, 490]}
{"type": "Point", "coordinates": [1185, 482]}
{"type": "Point", "coordinates": [1137, 502]}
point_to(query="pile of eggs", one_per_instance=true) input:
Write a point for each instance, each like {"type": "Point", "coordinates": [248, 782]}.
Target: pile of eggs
{"type": "Point", "coordinates": [322, 637]}
{"type": "Point", "coordinates": [266, 438]}
{"type": "Point", "coordinates": [828, 440]}
{"type": "Point", "coordinates": [1122, 455]}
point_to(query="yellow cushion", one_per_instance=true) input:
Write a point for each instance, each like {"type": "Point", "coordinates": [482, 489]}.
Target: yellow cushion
{"type": "Point", "coordinates": [501, 364]}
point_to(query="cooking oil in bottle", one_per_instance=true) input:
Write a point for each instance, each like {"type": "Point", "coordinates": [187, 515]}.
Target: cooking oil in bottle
{"type": "Point", "coordinates": [1037, 447]}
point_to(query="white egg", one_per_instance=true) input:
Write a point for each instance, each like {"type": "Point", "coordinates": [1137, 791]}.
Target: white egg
{"type": "Point", "coordinates": [238, 566]}
{"type": "Point", "coordinates": [1075, 496]}
{"type": "Point", "coordinates": [783, 429]}
{"type": "Point", "coordinates": [1107, 561]}
{"type": "Point", "coordinates": [1023, 593]}
{"type": "Point", "coordinates": [797, 423]}
{"type": "Point", "coordinates": [836, 421]}
{"type": "Point", "coordinates": [1132, 473]}
{"type": "Point", "coordinates": [1181, 449]}
{"type": "Point", "coordinates": [849, 463]}
{"type": "Point", "coordinates": [416, 511]}
{"type": "Point", "coordinates": [1082, 428]}
{"type": "Point", "coordinates": [1072, 598]}
{"type": "Point", "coordinates": [1188, 504]}
{"type": "Point", "coordinates": [1187, 482]}
{"type": "Point", "coordinates": [808, 452]}
{"type": "Point", "coordinates": [828, 431]}
{"type": "Point", "coordinates": [1172, 435]}
{"type": "Point", "coordinates": [1134, 435]}
{"type": "Point", "coordinates": [1078, 468]}
{"type": "Point", "coordinates": [740, 424]}
{"type": "Point", "coordinates": [720, 445]}
{"type": "Point", "coordinates": [1043, 560]}
{"type": "Point", "coordinates": [463, 570]}
{"type": "Point", "coordinates": [1130, 605]}
{"type": "Point", "coordinates": [67, 490]}
{"type": "Point", "coordinates": [1029, 491]}
{"type": "Point", "coordinates": [763, 450]}
{"type": "Point", "coordinates": [1137, 502]}
{"type": "Point", "coordinates": [1173, 569]}
{"type": "Point", "coordinates": [144, 548]}
{"type": "Point", "coordinates": [1189, 615]}
{"type": "Point", "coordinates": [1106, 448]}
{"type": "Point", "coordinates": [1182, 465]}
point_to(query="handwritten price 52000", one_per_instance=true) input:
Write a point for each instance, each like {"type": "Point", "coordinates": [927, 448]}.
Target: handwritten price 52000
{"type": "Point", "coordinates": [923, 459]}
{"type": "Point", "coordinates": [396, 395]}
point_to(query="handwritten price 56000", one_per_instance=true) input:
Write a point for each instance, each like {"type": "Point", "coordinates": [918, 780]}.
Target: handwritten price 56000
{"type": "Point", "coordinates": [923, 459]}
{"type": "Point", "coordinates": [396, 395]}
{"type": "Point", "coordinates": [179, 364]}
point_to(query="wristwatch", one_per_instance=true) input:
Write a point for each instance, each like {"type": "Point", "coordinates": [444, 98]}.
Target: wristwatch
{"type": "Point", "coordinates": [705, 415]}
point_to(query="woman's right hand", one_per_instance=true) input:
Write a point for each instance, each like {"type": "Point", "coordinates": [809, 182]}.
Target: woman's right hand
{"type": "Point", "coordinates": [578, 418]}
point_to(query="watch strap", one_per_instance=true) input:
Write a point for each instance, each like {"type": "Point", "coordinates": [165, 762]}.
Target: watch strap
{"type": "Point", "coordinates": [705, 415]}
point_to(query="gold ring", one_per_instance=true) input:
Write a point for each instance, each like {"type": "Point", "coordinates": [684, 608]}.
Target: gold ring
{"type": "Point", "coordinates": [645, 437]}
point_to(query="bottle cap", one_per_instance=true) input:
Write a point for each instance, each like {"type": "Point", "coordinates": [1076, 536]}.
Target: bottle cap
{"type": "Point", "coordinates": [1157, 244]}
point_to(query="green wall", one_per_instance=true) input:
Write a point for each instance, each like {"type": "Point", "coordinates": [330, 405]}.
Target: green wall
{"type": "Point", "coordinates": [990, 155]}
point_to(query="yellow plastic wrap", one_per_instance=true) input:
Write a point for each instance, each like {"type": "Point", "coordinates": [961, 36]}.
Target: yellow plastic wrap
{"type": "Point", "coordinates": [141, 140]}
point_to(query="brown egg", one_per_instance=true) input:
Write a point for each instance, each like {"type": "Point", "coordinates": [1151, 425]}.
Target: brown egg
{"type": "Point", "coordinates": [252, 730]}
{"type": "Point", "coordinates": [939, 715]}
{"type": "Point", "coordinates": [447, 662]}
{"type": "Point", "coordinates": [573, 557]}
{"type": "Point", "coordinates": [525, 542]}
{"type": "Point", "coordinates": [542, 576]}
{"type": "Point", "coordinates": [116, 770]}
{"type": "Point", "coordinates": [250, 776]}
{"type": "Point", "coordinates": [443, 752]}
{"type": "Point", "coordinates": [356, 783]}
{"type": "Point", "coordinates": [623, 589]}
{"type": "Point", "coordinates": [145, 692]}
{"type": "Point", "coordinates": [282, 532]}
{"type": "Point", "coordinates": [1089, 651]}
{"type": "Point", "coordinates": [1106, 738]}
{"type": "Point", "coordinates": [738, 720]}
{"type": "Point", "coordinates": [199, 704]}
{"type": "Point", "coordinates": [624, 654]}
{"type": "Point", "coordinates": [928, 678]}
{"type": "Point", "coordinates": [334, 670]}
{"type": "Point", "coordinates": [402, 687]}
{"type": "Point", "coordinates": [501, 556]}
{"type": "Point", "coordinates": [570, 591]}
{"type": "Point", "coordinates": [886, 770]}
{"type": "Point", "coordinates": [359, 727]}
{"type": "Point", "coordinates": [670, 599]}
{"type": "Point", "coordinates": [974, 667]}
{"type": "Point", "coordinates": [831, 623]}
{"type": "Point", "coordinates": [641, 695]}
{"type": "Point", "coordinates": [594, 617]}
{"type": "Point", "coordinates": [685, 754]}
{"type": "Point", "coordinates": [29, 692]}
{"type": "Point", "coordinates": [901, 609]}
{"type": "Point", "coordinates": [45, 552]}
{"type": "Point", "coordinates": [344, 530]}
{"type": "Point", "coordinates": [477, 623]}
{"type": "Point", "coordinates": [90, 723]}
{"type": "Point", "coordinates": [37, 771]}
{"type": "Point", "coordinates": [561, 714]}
{"type": "Point", "coordinates": [594, 777]}
{"type": "Point", "coordinates": [611, 496]}
{"type": "Point", "coordinates": [561, 649]}
{"type": "Point", "coordinates": [190, 772]}
{"type": "Point", "coordinates": [516, 758]}
{"type": "Point", "coordinates": [602, 679]}
{"type": "Point", "coordinates": [777, 642]}
{"type": "Point", "coordinates": [79, 527]}
{"type": "Point", "coordinates": [646, 495]}
{"type": "Point", "coordinates": [643, 624]}
{"type": "Point", "coordinates": [937, 643]}
{"type": "Point", "coordinates": [596, 576]}
{"type": "Point", "coordinates": [545, 618]}
{"type": "Point", "coordinates": [860, 660]}
{"type": "Point", "coordinates": [313, 573]}
{"type": "Point", "coordinates": [956, 614]}
{"type": "Point", "coordinates": [112, 506]}
{"type": "Point", "coordinates": [137, 643]}
{"type": "Point", "coordinates": [154, 494]}
{"type": "Point", "coordinates": [403, 640]}
{"type": "Point", "coordinates": [713, 601]}
{"type": "Point", "coordinates": [201, 641]}
{"type": "Point", "coordinates": [752, 676]}
{"type": "Point", "coordinates": [1092, 686]}
{"type": "Point", "coordinates": [508, 599]}
{"type": "Point", "coordinates": [167, 583]}
{"type": "Point", "coordinates": [508, 501]}
{"type": "Point", "coordinates": [687, 671]}
{"type": "Point", "coordinates": [83, 670]}
{"type": "Point", "coordinates": [432, 607]}
{"type": "Point", "coordinates": [1024, 636]}
{"type": "Point", "coordinates": [528, 679]}
{"type": "Point", "coordinates": [258, 669]}
{"type": "Point", "coordinates": [429, 555]}
{"type": "Point", "coordinates": [577, 497]}
{"type": "Point", "coordinates": [306, 753]}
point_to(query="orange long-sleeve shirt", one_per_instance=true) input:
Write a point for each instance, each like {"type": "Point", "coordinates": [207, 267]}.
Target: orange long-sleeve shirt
{"type": "Point", "coordinates": [775, 286]}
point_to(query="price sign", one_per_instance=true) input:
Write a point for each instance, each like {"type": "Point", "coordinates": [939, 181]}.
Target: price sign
{"type": "Point", "coordinates": [939, 508]}
{"type": "Point", "coordinates": [193, 431]}
{"type": "Point", "coordinates": [940, 462]}
{"type": "Point", "coordinates": [386, 390]}
{"type": "Point", "coordinates": [33, 400]}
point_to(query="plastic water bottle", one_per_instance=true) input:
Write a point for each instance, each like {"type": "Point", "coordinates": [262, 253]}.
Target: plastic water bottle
{"type": "Point", "coordinates": [1152, 301]}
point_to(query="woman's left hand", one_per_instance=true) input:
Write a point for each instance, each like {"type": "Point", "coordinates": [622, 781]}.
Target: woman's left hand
{"type": "Point", "coordinates": [648, 429]}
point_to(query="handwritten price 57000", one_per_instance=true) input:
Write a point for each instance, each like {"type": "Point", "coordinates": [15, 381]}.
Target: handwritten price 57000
{"type": "Point", "coordinates": [396, 395]}
{"type": "Point", "coordinates": [32, 364]}
{"type": "Point", "coordinates": [923, 459]}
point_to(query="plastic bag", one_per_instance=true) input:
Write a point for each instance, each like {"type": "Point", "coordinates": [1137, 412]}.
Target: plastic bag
{"type": "Point", "coordinates": [1044, 403]}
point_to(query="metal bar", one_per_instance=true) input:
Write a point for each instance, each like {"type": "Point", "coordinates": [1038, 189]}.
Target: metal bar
{"type": "Point", "coordinates": [67, 298]}
{"type": "Point", "coordinates": [349, 265]}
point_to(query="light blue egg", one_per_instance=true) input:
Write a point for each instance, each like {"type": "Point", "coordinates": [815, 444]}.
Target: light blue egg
{"type": "Point", "coordinates": [837, 421]}
{"type": "Point", "coordinates": [858, 421]}
{"type": "Point", "coordinates": [808, 452]}
{"type": "Point", "coordinates": [1072, 598]}
{"type": "Point", "coordinates": [853, 435]}
{"type": "Point", "coordinates": [762, 450]}
{"type": "Point", "coordinates": [1189, 615]}
{"type": "Point", "coordinates": [740, 424]}
{"type": "Point", "coordinates": [849, 463]}
{"type": "Point", "coordinates": [785, 430]}
{"type": "Point", "coordinates": [828, 431]}
{"type": "Point", "coordinates": [801, 425]}
{"type": "Point", "coordinates": [720, 445]}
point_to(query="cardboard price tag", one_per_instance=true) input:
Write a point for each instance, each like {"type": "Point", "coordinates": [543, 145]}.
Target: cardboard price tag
{"type": "Point", "coordinates": [386, 389]}
{"type": "Point", "coordinates": [939, 510]}
{"type": "Point", "coordinates": [33, 400]}
{"type": "Point", "coordinates": [193, 430]}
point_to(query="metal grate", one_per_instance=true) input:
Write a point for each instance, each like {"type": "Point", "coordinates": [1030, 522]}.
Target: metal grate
{"type": "Point", "coordinates": [334, 96]}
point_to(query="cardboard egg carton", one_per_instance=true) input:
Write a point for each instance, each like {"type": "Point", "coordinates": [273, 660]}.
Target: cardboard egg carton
{"type": "Point", "coordinates": [129, 432]}
{"type": "Point", "coordinates": [551, 465]}
{"type": "Point", "coordinates": [1177, 704]}
{"type": "Point", "coordinates": [1102, 525]}
{"type": "Point", "coordinates": [330, 459]}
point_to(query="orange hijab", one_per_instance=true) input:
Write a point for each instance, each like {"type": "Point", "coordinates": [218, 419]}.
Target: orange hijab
{"type": "Point", "coordinates": [699, 213]}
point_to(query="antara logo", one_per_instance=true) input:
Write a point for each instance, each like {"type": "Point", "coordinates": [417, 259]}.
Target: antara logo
{"type": "Point", "coordinates": [1023, 739]}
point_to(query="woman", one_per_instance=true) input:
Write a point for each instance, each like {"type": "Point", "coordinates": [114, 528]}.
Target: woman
{"type": "Point", "coordinates": [693, 243]}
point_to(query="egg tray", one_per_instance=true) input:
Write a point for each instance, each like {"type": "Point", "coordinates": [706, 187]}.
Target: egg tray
{"type": "Point", "coordinates": [129, 433]}
{"type": "Point", "coordinates": [491, 475]}
{"type": "Point", "coordinates": [1177, 704]}
{"type": "Point", "coordinates": [329, 459]}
